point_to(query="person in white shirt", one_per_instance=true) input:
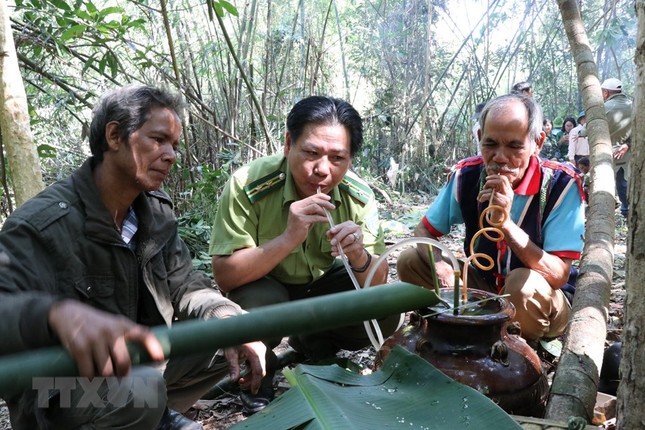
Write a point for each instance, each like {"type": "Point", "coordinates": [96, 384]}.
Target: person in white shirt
{"type": "Point", "coordinates": [578, 144]}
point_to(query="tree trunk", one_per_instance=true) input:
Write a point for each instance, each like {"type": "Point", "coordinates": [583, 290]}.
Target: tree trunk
{"type": "Point", "coordinates": [342, 53]}
{"type": "Point", "coordinates": [420, 152]}
{"type": "Point", "coordinates": [287, 60]}
{"type": "Point", "coordinates": [632, 383]}
{"type": "Point", "coordinates": [575, 384]}
{"type": "Point", "coordinates": [267, 44]}
{"type": "Point", "coordinates": [22, 156]}
{"type": "Point", "coordinates": [247, 82]}
{"type": "Point", "coordinates": [303, 49]}
{"type": "Point", "coordinates": [171, 47]}
{"type": "Point", "coordinates": [319, 53]}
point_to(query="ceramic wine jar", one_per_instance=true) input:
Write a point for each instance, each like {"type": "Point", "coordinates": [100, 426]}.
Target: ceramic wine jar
{"type": "Point", "coordinates": [478, 347]}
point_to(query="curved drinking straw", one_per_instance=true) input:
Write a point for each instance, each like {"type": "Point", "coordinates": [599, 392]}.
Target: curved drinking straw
{"type": "Point", "coordinates": [484, 231]}
{"type": "Point", "coordinates": [453, 260]}
{"type": "Point", "coordinates": [375, 336]}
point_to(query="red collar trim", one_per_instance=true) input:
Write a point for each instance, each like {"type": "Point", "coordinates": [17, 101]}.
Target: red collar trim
{"type": "Point", "coordinates": [530, 184]}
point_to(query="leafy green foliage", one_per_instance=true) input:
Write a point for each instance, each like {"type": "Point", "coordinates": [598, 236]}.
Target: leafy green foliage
{"type": "Point", "coordinates": [415, 73]}
{"type": "Point", "coordinates": [196, 232]}
{"type": "Point", "coordinates": [219, 6]}
{"type": "Point", "coordinates": [46, 151]}
{"type": "Point", "coordinates": [198, 209]}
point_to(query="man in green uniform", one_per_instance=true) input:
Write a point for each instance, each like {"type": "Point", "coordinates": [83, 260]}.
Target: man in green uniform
{"type": "Point", "coordinates": [272, 241]}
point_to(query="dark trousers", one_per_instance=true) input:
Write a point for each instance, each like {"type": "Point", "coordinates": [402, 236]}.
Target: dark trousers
{"type": "Point", "coordinates": [621, 190]}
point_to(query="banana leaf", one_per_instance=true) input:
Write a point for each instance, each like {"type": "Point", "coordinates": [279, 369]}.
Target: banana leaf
{"type": "Point", "coordinates": [407, 392]}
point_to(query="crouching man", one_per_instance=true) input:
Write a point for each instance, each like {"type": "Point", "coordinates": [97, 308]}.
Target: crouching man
{"type": "Point", "coordinates": [93, 261]}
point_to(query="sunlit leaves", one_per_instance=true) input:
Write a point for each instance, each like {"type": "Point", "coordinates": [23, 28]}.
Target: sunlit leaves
{"type": "Point", "coordinates": [229, 7]}
{"type": "Point", "coordinates": [614, 33]}
{"type": "Point", "coordinates": [219, 6]}
{"type": "Point", "coordinates": [61, 4]}
{"type": "Point", "coordinates": [73, 32]}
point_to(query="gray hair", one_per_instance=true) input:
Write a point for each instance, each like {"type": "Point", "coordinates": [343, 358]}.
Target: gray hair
{"type": "Point", "coordinates": [533, 110]}
{"type": "Point", "coordinates": [130, 106]}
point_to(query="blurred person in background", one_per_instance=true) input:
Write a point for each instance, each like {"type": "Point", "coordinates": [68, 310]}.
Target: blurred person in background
{"type": "Point", "coordinates": [618, 108]}
{"type": "Point", "coordinates": [568, 124]}
{"type": "Point", "coordinates": [578, 143]}
{"type": "Point", "coordinates": [522, 88]}
{"type": "Point", "coordinates": [550, 149]}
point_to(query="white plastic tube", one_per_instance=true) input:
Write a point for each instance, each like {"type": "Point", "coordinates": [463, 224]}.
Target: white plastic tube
{"type": "Point", "coordinates": [375, 336]}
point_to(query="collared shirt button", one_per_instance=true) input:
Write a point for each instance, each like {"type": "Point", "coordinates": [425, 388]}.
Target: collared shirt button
{"type": "Point", "coordinates": [62, 205]}
{"type": "Point", "coordinates": [282, 175]}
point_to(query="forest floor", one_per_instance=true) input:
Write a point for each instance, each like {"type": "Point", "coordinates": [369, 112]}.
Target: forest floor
{"type": "Point", "coordinates": [399, 220]}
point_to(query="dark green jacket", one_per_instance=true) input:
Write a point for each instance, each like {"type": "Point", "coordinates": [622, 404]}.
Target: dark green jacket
{"type": "Point", "coordinates": [63, 244]}
{"type": "Point", "coordinates": [618, 108]}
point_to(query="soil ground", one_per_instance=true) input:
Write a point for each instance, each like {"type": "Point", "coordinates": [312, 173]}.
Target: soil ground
{"type": "Point", "coordinates": [226, 410]}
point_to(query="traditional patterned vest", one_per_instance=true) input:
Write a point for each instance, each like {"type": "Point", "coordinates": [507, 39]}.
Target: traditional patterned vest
{"type": "Point", "coordinates": [554, 178]}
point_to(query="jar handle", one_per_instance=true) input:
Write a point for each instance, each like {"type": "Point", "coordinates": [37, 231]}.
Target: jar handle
{"type": "Point", "coordinates": [499, 352]}
{"type": "Point", "coordinates": [514, 328]}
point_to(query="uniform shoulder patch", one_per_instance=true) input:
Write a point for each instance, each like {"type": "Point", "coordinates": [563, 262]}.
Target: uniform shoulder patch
{"type": "Point", "coordinates": [264, 186]}
{"type": "Point", "coordinates": [356, 188]}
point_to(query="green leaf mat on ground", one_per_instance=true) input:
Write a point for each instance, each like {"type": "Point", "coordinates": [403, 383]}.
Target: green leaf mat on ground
{"type": "Point", "coordinates": [407, 392]}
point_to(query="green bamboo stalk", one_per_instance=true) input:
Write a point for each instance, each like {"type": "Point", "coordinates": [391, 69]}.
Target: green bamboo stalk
{"type": "Point", "coordinates": [198, 336]}
{"type": "Point", "coordinates": [247, 82]}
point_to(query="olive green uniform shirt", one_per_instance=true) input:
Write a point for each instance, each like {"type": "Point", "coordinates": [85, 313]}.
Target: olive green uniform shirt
{"type": "Point", "coordinates": [618, 108]}
{"type": "Point", "coordinates": [254, 207]}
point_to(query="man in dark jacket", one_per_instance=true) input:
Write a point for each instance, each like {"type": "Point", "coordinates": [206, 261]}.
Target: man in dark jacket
{"type": "Point", "coordinates": [94, 260]}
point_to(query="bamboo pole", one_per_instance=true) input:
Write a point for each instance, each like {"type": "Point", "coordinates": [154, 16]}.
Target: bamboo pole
{"type": "Point", "coordinates": [247, 82]}
{"type": "Point", "coordinates": [199, 336]}
{"type": "Point", "coordinates": [574, 387]}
